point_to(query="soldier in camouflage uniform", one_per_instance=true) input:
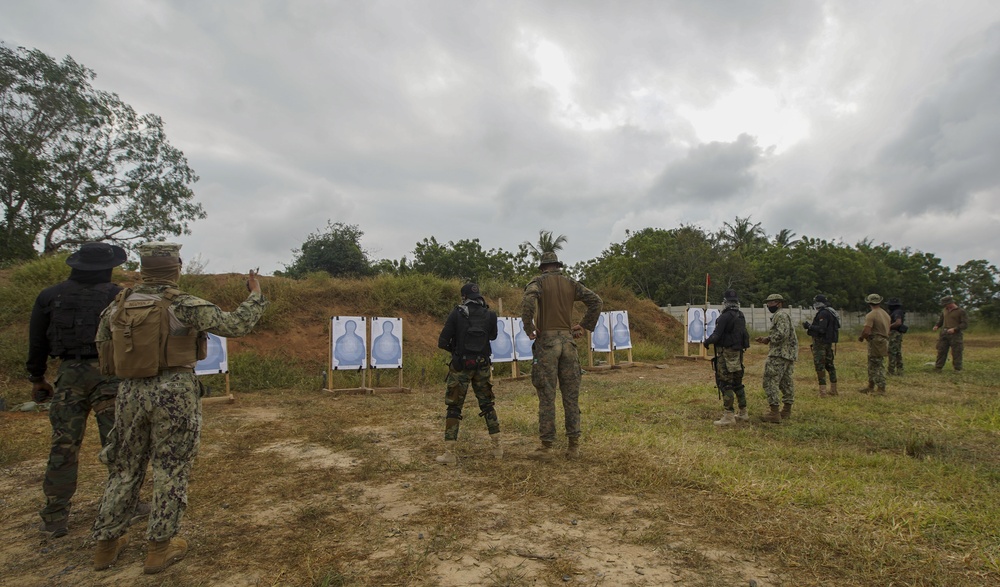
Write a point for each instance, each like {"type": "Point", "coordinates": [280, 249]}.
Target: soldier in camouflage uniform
{"type": "Point", "coordinates": [158, 418]}
{"type": "Point", "coordinates": [556, 362]}
{"type": "Point", "coordinates": [897, 328]}
{"type": "Point", "coordinates": [783, 351]}
{"type": "Point", "coordinates": [466, 335]}
{"type": "Point", "coordinates": [730, 338]}
{"type": "Point", "coordinates": [876, 332]}
{"type": "Point", "coordinates": [952, 322]}
{"type": "Point", "coordinates": [63, 324]}
{"type": "Point", "coordinates": [825, 332]}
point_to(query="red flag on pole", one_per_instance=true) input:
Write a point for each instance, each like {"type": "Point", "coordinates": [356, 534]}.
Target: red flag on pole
{"type": "Point", "coordinates": [708, 280]}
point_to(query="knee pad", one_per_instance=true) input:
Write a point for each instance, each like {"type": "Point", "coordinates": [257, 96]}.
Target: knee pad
{"type": "Point", "coordinates": [455, 412]}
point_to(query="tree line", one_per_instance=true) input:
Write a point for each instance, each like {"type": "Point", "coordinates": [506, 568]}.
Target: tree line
{"type": "Point", "coordinates": [669, 266]}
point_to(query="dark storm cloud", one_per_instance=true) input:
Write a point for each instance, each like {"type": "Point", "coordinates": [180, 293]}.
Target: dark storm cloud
{"type": "Point", "coordinates": [709, 173]}
{"type": "Point", "coordinates": [950, 145]}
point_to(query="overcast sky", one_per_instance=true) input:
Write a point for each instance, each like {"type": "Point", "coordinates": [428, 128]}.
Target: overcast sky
{"type": "Point", "coordinates": [493, 120]}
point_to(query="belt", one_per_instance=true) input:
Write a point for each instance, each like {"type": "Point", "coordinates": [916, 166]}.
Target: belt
{"type": "Point", "coordinates": [177, 370]}
{"type": "Point", "coordinates": [556, 332]}
{"type": "Point", "coordinates": [77, 357]}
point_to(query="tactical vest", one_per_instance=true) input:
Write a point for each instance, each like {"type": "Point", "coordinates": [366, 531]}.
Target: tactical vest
{"type": "Point", "coordinates": [555, 304]}
{"type": "Point", "coordinates": [75, 314]}
{"type": "Point", "coordinates": [735, 336]}
{"type": "Point", "coordinates": [143, 340]}
{"type": "Point", "coordinates": [832, 333]}
{"type": "Point", "coordinates": [472, 335]}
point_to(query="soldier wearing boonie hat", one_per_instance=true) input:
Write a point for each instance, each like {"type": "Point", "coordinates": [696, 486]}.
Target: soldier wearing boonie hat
{"type": "Point", "coordinates": [876, 332]}
{"type": "Point", "coordinates": [159, 406]}
{"type": "Point", "coordinates": [952, 322]}
{"type": "Point", "coordinates": [556, 364]}
{"type": "Point", "coordinates": [782, 352]}
{"type": "Point", "coordinates": [63, 324]}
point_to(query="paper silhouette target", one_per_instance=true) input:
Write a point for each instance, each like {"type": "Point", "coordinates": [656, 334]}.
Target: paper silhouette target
{"type": "Point", "coordinates": [348, 342]}
{"type": "Point", "coordinates": [522, 344]}
{"type": "Point", "coordinates": [621, 335]}
{"type": "Point", "coordinates": [503, 347]}
{"type": "Point", "coordinates": [710, 317]}
{"type": "Point", "coordinates": [600, 340]}
{"type": "Point", "coordinates": [695, 325]}
{"type": "Point", "coordinates": [216, 359]}
{"type": "Point", "coordinates": [387, 343]}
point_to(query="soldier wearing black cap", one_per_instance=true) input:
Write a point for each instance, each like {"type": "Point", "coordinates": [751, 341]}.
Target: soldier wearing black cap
{"type": "Point", "coordinates": [897, 328]}
{"type": "Point", "coordinates": [467, 333]}
{"type": "Point", "coordinates": [825, 332]}
{"type": "Point", "coordinates": [63, 324]}
{"type": "Point", "coordinates": [730, 338]}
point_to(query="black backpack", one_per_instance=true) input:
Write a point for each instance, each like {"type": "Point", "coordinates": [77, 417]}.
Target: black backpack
{"type": "Point", "coordinates": [473, 335]}
{"type": "Point", "coordinates": [75, 313]}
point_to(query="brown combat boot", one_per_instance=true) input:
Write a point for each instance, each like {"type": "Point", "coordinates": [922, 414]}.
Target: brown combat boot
{"type": "Point", "coordinates": [160, 555]}
{"type": "Point", "coordinates": [728, 419]}
{"type": "Point", "coordinates": [108, 550]}
{"type": "Point", "coordinates": [543, 452]}
{"type": "Point", "coordinates": [497, 447]}
{"type": "Point", "coordinates": [833, 388]}
{"type": "Point", "coordinates": [822, 390]}
{"type": "Point", "coordinates": [869, 389]}
{"type": "Point", "coordinates": [742, 415]}
{"type": "Point", "coordinates": [573, 450]}
{"type": "Point", "coordinates": [774, 416]}
{"type": "Point", "coordinates": [786, 411]}
{"type": "Point", "coordinates": [880, 390]}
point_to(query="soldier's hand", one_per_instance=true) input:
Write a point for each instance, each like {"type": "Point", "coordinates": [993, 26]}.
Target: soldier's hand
{"type": "Point", "coordinates": [253, 285]}
{"type": "Point", "coordinates": [41, 392]}
{"type": "Point", "coordinates": [577, 331]}
{"type": "Point", "coordinates": [805, 325]}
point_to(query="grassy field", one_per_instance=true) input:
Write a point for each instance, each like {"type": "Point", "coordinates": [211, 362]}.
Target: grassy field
{"type": "Point", "coordinates": [302, 487]}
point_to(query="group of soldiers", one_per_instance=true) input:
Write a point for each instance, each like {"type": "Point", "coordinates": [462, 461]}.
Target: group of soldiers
{"type": "Point", "coordinates": [128, 356]}
{"type": "Point", "coordinates": [883, 331]}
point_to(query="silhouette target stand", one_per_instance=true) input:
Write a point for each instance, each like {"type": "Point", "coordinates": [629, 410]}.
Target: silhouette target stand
{"type": "Point", "coordinates": [216, 362]}
{"type": "Point", "coordinates": [362, 345]}
{"type": "Point", "coordinates": [611, 334]}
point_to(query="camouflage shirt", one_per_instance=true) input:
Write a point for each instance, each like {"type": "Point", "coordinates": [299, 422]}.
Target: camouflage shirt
{"type": "Point", "coordinates": [783, 342]}
{"type": "Point", "coordinates": [554, 294]}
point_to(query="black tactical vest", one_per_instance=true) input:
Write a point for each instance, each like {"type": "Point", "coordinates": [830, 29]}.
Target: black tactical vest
{"type": "Point", "coordinates": [74, 314]}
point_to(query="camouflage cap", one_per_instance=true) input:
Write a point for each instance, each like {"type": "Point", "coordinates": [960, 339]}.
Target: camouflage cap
{"type": "Point", "coordinates": [159, 249]}
{"type": "Point", "coordinates": [774, 298]}
{"type": "Point", "coordinates": [550, 258]}
{"type": "Point", "coordinates": [873, 299]}
{"type": "Point", "coordinates": [947, 300]}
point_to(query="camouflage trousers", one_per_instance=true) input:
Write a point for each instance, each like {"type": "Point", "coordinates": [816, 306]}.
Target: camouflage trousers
{"type": "Point", "coordinates": [556, 364]}
{"type": "Point", "coordinates": [823, 354]}
{"type": "Point", "coordinates": [878, 350]}
{"type": "Point", "coordinates": [778, 381]}
{"type": "Point", "coordinates": [729, 365]}
{"type": "Point", "coordinates": [895, 353]}
{"type": "Point", "coordinates": [79, 389]}
{"type": "Point", "coordinates": [954, 342]}
{"type": "Point", "coordinates": [457, 383]}
{"type": "Point", "coordinates": [157, 422]}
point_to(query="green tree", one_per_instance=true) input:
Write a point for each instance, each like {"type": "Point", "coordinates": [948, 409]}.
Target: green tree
{"type": "Point", "coordinates": [78, 164]}
{"type": "Point", "coordinates": [465, 259]}
{"type": "Point", "coordinates": [743, 236]}
{"type": "Point", "coordinates": [976, 283]}
{"type": "Point", "coordinates": [337, 251]}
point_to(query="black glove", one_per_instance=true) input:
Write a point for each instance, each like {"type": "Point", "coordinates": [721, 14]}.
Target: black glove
{"type": "Point", "coordinates": [705, 343]}
{"type": "Point", "coordinates": [41, 392]}
{"type": "Point", "coordinates": [805, 325]}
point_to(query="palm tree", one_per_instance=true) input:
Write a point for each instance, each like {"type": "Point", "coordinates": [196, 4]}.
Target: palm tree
{"type": "Point", "coordinates": [546, 244]}
{"type": "Point", "coordinates": [743, 236]}
{"type": "Point", "coordinates": [785, 238]}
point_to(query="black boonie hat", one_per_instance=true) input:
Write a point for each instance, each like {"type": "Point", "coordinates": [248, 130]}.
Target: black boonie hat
{"type": "Point", "coordinates": [97, 257]}
{"type": "Point", "coordinates": [471, 291]}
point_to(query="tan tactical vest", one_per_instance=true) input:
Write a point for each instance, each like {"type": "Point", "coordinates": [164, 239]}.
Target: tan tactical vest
{"type": "Point", "coordinates": [146, 337]}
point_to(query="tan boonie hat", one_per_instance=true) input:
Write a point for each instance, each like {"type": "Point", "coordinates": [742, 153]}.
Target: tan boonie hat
{"type": "Point", "coordinates": [947, 300]}
{"type": "Point", "coordinates": [774, 298]}
{"type": "Point", "coordinates": [873, 299]}
{"type": "Point", "coordinates": [550, 258]}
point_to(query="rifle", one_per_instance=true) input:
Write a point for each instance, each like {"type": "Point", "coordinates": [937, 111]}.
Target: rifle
{"type": "Point", "coordinates": [715, 368]}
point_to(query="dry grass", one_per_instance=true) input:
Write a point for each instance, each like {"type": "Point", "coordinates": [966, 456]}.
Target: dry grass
{"type": "Point", "coordinates": [306, 488]}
